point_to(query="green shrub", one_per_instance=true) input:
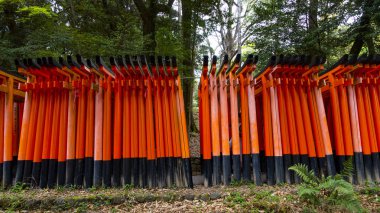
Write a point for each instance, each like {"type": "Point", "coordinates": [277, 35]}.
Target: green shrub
{"type": "Point", "coordinates": [333, 192]}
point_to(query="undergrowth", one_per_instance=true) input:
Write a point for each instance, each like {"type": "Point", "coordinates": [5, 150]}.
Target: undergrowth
{"type": "Point", "coordinates": [331, 193]}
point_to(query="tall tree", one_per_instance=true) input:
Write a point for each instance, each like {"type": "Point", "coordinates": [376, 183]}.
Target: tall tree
{"type": "Point", "coordinates": [188, 58]}
{"type": "Point", "coordinates": [230, 26]}
{"type": "Point", "coordinates": [295, 26]}
{"type": "Point", "coordinates": [192, 25]}
{"type": "Point", "coordinates": [148, 11]}
{"type": "Point", "coordinates": [313, 27]}
{"type": "Point", "coordinates": [364, 32]}
{"type": "Point", "coordinates": [18, 20]}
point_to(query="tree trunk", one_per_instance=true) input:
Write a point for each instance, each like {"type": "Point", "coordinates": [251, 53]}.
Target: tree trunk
{"type": "Point", "coordinates": [148, 16]}
{"type": "Point", "coordinates": [313, 26]}
{"type": "Point", "coordinates": [187, 62]}
{"type": "Point", "coordinates": [364, 30]}
{"type": "Point", "coordinates": [230, 41]}
{"type": "Point", "coordinates": [238, 28]}
{"type": "Point", "coordinates": [149, 33]}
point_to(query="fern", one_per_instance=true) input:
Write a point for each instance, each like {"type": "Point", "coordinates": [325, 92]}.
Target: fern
{"type": "Point", "coordinates": [333, 192]}
{"type": "Point", "coordinates": [309, 194]}
{"type": "Point", "coordinates": [305, 174]}
{"type": "Point", "coordinates": [341, 194]}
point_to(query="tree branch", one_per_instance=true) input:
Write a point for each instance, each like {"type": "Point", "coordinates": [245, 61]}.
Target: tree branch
{"type": "Point", "coordinates": [247, 29]}
{"type": "Point", "coordinates": [245, 39]}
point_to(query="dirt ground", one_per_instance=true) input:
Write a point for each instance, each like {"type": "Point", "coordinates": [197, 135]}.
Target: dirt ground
{"type": "Point", "coordinates": [238, 198]}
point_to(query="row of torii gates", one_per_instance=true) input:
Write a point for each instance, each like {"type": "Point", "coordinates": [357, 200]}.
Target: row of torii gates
{"type": "Point", "coordinates": [292, 111]}
{"type": "Point", "coordinates": [78, 122]}
{"type": "Point", "coordinates": [81, 123]}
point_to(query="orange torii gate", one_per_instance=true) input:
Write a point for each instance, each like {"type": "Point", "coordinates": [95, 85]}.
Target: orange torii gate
{"type": "Point", "coordinates": [219, 113]}
{"type": "Point", "coordinates": [294, 116]}
{"type": "Point", "coordinates": [286, 96]}
{"type": "Point", "coordinates": [87, 124]}
{"type": "Point", "coordinates": [10, 116]}
{"type": "Point", "coordinates": [112, 124]}
{"type": "Point", "coordinates": [355, 79]}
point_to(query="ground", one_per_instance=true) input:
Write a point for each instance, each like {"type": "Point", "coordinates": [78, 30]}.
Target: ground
{"type": "Point", "coordinates": [235, 198]}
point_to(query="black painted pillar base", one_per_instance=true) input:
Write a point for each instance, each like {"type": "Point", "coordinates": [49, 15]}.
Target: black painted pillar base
{"type": "Point", "coordinates": [161, 172]}
{"type": "Point", "coordinates": [279, 169]}
{"type": "Point", "coordinates": [376, 166]}
{"type": "Point", "coordinates": [331, 170]}
{"type": "Point", "coordinates": [236, 167]}
{"type": "Point", "coordinates": [70, 170]}
{"type": "Point", "coordinates": [44, 173]}
{"type": "Point", "coordinates": [216, 174]}
{"type": "Point", "coordinates": [339, 160]}
{"type": "Point", "coordinates": [19, 172]}
{"type": "Point", "coordinates": [304, 159]}
{"type": "Point", "coordinates": [288, 163]}
{"type": "Point", "coordinates": [322, 166]}
{"type": "Point", "coordinates": [270, 170]}
{"type": "Point", "coordinates": [188, 172]}
{"type": "Point", "coordinates": [226, 161]}
{"type": "Point", "coordinates": [28, 167]}
{"type": "Point", "coordinates": [256, 169]}
{"type": "Point", "coordinates": [52, 178]}
{"type": "Point", "coordinates": [7, 174]}
{"type": "Point", "coordinates": [296, 160]}
{"type": "Point", "coordinates": [207, 165]}
{"type": "Point", "coordinates": [88, 172]}
{"type": "Point", "coordinates": [246, 167]}
{"type": "Point", "coordinates": [61, 172]}
{"type": "Point", "coordinates": [135, 172]}
{"type": "Point", "coordinates": [151, 173]}
{"type": "Point", "coordinates": [98, 173]}
{"type": "Point", "coordinates": [36, 171]}
{"type": "Point", "coordinates": [126, 171]}
{"type": "Point", "coordinates": [143, 174]}
{"type": "Point", "coordinates": [107, 173]}
{"type": "Point", "coordinates": [116, 174]}
{"type": "Point", "coordinates": [79, 172]}
{"type": "Point", "coordinates": [359, 167]}
{"type": "Point", "coordinates": [313, 164]}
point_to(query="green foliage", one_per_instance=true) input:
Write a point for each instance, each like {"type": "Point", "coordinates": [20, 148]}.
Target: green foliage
{"type": "Point", "coordinates": [268, 201]}
{"type": "Point", "coordinates": [331, 192]}
{"type": "Point", "coordinates": [309, 194]}
{"type": "Point", "coordinates": [236, 197]}
{"type": "Point", "coordinates": [128, 187]}
{"type": "Point", "coordinates": [305, 174]}
{"type": "Point", "coordinates": [326, 27]}
{"type": "Point", "coordinates": [19, 187]}
{"type": "Point", "coordinates": [236, 200]}
{"type": "Point", "coordinates": [55, 28]}
{"type": "Point", "coordinates": [168, 42]}
{"type": "Point", "coordinates": [34, 11]}
{"type": "Point", "coordinates": [264, 194]}
{"type": "Point", "coordinates": [370, 189]}
{"type": "Point", "coordinates": [236, 183]}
